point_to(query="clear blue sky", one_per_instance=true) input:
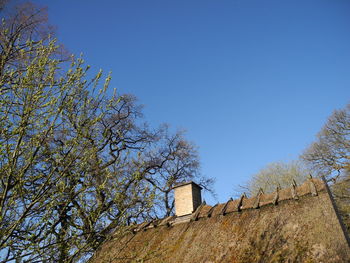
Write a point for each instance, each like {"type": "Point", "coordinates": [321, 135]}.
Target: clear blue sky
{"type": "Point", "coordinates": [251, 81]}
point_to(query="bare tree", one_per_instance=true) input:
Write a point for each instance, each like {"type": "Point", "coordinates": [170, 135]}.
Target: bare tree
{"type": "Point", "coordinates": [184, 166]}
{"type": "Point", "coordinates": [330, 154]}
{"type": "Point", "coordinates": [277, 174]}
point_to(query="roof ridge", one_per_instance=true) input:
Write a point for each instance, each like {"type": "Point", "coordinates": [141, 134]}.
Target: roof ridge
{"type": "Point", "coordinates": [310, 187]}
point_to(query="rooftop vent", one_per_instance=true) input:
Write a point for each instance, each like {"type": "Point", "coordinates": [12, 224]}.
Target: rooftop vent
{"type": "Point", "coordinates": [187, 198]}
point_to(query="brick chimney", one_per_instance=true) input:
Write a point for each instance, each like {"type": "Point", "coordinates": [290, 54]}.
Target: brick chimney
{"type": "Point", "coordinates": [187, 198]}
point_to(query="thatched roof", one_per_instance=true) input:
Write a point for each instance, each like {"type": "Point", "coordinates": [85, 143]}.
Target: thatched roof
{"type": "Point", "coordinates": [297, 224]}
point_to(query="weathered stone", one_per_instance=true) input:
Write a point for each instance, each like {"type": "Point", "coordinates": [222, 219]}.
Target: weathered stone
{"type": "Point", "coordinates": [187, 198]}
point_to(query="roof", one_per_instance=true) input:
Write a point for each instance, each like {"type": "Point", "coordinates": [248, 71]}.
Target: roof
{"type": "Point", "coordinates": [296, 224]}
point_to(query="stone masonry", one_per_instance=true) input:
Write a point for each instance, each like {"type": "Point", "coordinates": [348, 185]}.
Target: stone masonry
{"type": "Point", "coordinates": [187, 198]}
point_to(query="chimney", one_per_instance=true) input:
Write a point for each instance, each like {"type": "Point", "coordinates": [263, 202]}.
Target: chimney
{"type": "Point", "coordinates": [187, 198]}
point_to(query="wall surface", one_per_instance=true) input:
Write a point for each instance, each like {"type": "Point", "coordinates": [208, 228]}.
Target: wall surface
{"type": "Point", "coordinates": [197, 197]}
{"type": "Point", "coordinates": [183, 197]}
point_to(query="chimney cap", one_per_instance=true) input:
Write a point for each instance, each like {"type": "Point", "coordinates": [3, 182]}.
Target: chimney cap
{"type": "Point", "coordinates": [186, 183]}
